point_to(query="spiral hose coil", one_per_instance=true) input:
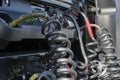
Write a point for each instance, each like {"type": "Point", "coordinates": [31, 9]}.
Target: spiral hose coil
{"type": "Point", "coordinates": [106, 45]}
{"type": "Point", "coordinates": [60, 45]}
{"type": "Point", "coordinates": [92, 54]}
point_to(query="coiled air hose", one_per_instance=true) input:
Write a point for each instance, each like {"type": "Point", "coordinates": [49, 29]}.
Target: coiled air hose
{"type": "Point", "coordinates": [105, 45]}
{"type": "Point", "coordinates": [60, 45]}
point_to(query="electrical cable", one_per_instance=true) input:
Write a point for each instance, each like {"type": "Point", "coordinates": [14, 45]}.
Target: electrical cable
{"type": "Point", "coordinates": [26, 16]}
{"type": "Point", "coordinates": [92, 25]}
{"type": "Point", "coordinates": [80, 41]}
{"type": "Point", "coordinates": [87, 23]}
{"type": "Point", "coordinates": [75, 10]}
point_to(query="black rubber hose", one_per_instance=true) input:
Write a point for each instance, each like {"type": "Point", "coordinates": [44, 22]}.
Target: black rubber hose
{"type": "Point", "coordinates": [80, 40]}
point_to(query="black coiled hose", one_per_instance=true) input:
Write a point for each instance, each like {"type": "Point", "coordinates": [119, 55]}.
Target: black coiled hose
{"type": "Point", "coordinates": [96, 68]}
{"type": "Point", "coordinates": [47, 75]}
{"type": "Point", "coordinates": [60, 45]}
{"type": "Point", "coordinates": [106, 45]}
{"type": "Point", "coordinates": [92, 55]}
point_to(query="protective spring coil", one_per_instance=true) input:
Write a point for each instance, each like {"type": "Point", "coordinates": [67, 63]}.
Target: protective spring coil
{"type": "Point", "coordinates": [60, 45]}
